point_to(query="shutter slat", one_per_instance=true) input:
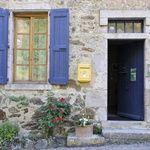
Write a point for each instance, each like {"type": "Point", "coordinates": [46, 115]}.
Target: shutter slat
{"type": "Point", "coordinates": [3, 45]}
{"type": "Point", "coordinates": [59, 48]}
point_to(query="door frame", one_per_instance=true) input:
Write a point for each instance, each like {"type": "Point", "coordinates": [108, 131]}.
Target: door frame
{"type": "Point", "coordinates": [143, 101]}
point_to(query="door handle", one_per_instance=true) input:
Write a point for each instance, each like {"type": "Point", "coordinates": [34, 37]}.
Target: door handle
{"type": "Point", "coordinates": [127, 88]}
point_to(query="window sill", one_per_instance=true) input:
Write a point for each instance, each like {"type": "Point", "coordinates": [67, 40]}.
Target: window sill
{"type": "Point", "coordinates": [10, 86]}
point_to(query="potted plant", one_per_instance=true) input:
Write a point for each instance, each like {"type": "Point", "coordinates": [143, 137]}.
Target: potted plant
{"type": "Point", "coordinates": [83, 127]}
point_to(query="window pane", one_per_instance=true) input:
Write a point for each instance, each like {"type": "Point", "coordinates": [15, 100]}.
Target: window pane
{"type": "Point", "coordinates": [120, 27]}
{"type": "Point", "coordinates": [39, 73]}
{"type": "Point", "coordinates": [39, 25]}
{"type": "Point", "coordinates": [22, 57]}
{"type": "Point", "coordinates": [39, 41]}
{"type": "Point", "coordinates": [22, 73]}
{"type": "Point", "coordinates": [137, 27]}
{"type": "Point", "coordinates": [112, 27]}
{"type": "Point", "coordinates": [39, 56]}
{"type": "Point", "coordinates": [23, 25]}
{"type": "Point", "coordinates": [129, 27]}
{"type": "Point", "coordinates": [23, 41]}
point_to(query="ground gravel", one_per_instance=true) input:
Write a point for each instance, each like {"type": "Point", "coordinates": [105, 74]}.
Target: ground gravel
{"type": "Point", "coordinates": [130, 146]}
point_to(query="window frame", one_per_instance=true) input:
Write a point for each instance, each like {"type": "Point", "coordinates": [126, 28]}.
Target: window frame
{"type": "Point", "coordinates": [31, 33]}
{"type": "Point", "coordinates": [126, 21]}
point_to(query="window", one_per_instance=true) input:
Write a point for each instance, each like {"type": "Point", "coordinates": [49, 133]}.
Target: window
{"type": "Point", "coordinates": [125, 26]}
{"type": "Point", "coordinates": [30, 48]}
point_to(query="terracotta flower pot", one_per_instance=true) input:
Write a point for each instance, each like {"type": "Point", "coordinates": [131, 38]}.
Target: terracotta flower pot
{"type": "Point", "coordinates": [86, 131]}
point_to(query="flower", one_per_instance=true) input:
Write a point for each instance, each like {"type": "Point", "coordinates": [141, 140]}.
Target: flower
{"type": "Point", "coordinates": [60, 119]}
{"type": "Point", "coordinates": [62, 99]}
{"type": "Point", "coordinates": [62, 111]}
{"type": "Point", "coordinates": [52, 107]}
{"type": "Point", "coordinates": [54, 120]}
{"type": "Point", "coordinates": [83, 121]}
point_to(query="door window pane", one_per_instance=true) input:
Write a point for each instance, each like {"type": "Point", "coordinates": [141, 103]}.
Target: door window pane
{"type": "Point", "coordinates": [39, 41]}
{"type": "Point", "coordinates": [23, 25]}
{"type": "Point", "coordinates": [22, 73]}
{"type": "Point", "coordinates": [137, 28]}
{"type": "Point", "coordinates": [129, 27]}
{"type": "Point", "coordinates": [39, 73]}
{"type": "Point", "coordinates": [23, 41]}
{"type": "Point", "coordinates": [39, 56]}
{"type": "Point", "coordinates": [120, 27]}
{"type": "Point", "coordinates": [39, 25]}
{"type": "Point", "coordinates": [112, 28]}
{"type": "Point", "coordinates": [22, 57]}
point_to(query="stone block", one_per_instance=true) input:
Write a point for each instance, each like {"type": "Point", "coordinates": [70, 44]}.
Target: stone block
{"type": "Point", "coordinates": [41, 144]}
{"type": "Point", "coordinates": [147, 23]}
{"type": "Point", "coordinates": [101, 114]}
{"type": "Point", "coordinates": [96, 98]}
{"type": "Point", "coordinates": [2, 115]}
{"type": "Point", "coordinates": [72, 140]}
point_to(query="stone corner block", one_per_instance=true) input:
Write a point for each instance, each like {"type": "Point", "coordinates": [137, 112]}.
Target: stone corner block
{"type": "Point", "coordinates": [103, 22]}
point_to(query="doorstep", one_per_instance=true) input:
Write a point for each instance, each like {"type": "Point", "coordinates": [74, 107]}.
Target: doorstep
{"type": "Point", "coordinates": [109, 136]}
{"type": "Point", "coordinates": [126, 134]}
{"type": "Point", "coordinates": [73, 141]}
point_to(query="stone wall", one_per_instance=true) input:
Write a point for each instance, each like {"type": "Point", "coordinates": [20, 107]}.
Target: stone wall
{"type": "Point", "coordinates": [87, 45]}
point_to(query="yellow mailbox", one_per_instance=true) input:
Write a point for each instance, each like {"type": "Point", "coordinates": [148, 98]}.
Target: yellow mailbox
{"type": "Point", "coordinates": [84, 72]}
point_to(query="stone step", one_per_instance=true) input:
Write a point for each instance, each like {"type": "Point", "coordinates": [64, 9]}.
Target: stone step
{"type": "Point", "coordinates": [72, 140]}
{"type": "Point", "coordinates": [126, 134]}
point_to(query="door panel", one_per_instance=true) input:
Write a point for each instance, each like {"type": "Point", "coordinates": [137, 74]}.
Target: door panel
{"type": "Point", "coordinates": [131, 80]}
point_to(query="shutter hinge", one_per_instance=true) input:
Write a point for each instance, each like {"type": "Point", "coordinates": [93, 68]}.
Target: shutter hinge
{"type": "Point", "coordinates": [8, 46]}
{"type": "Point", "coordinates": [7, 79]}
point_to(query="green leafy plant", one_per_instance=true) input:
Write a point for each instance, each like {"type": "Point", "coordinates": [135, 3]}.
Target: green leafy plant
{"type": "Point", "coordinates": [8, 131]}
{"type": "Point", "coordinates": [3, 148]}
{"type": "Point", "coordinates": [23, 141]}
{"type": "Point", "coordinates": [67, 132]}
{"type": "Point", "coordinates": [83, 121]}
{"type": "Point", "coordinates": [97, 129]}
{"type": "Point", "coordinates": [21, 100]}
{"type": "Point", "coordinates": [53, 113]}
{"type": "Point", "coordinates": [32, 137]}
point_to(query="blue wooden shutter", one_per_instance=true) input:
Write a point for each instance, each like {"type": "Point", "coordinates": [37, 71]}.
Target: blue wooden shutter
{"type": "Point", "coordinates": [59, 46]}
{"type": "Point", "coordinates": [3, 45]}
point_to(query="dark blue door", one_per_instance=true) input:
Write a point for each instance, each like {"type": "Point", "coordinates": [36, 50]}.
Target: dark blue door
{"type": "Point", "coordinates": [131, 80]}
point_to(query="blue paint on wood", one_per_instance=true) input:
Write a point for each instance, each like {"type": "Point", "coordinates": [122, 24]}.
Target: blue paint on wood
{"type": "Point", "coordinates": [59, 46]}
{"type": "Point", "coordinates": [3, 45]}
{"type": "Point", "coordinates": [131, 93]}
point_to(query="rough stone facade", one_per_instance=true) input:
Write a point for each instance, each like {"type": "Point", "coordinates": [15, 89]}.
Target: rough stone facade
{"type": "Point", "coordinates": [88, 44]}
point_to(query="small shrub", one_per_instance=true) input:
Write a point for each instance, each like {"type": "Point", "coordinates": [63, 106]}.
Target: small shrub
{"type": "Point", "coordinates": [23, 141]}
{"type": "Point", "coordinates": [32, 137]}
{"type": "Point", "coordinates": [8, 131]}
{"type": "Point", "coordinates": [3, 148]}
{"type": "Point", "coordinates": [21, 100]}
{"type": "Point", "coordinates": [53, 113]}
